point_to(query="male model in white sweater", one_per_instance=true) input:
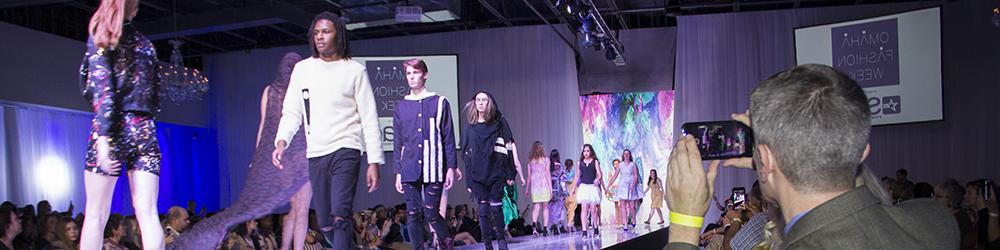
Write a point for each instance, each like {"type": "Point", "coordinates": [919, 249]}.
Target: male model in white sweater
{"type": "Point", "coordinates": [330, 94]}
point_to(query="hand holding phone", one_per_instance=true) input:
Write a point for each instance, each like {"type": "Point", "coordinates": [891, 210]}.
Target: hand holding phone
{"type": "Point", "coordinates": [739, 196]}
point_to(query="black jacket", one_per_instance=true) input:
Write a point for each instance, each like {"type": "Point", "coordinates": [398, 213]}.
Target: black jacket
{"type": "Point", "coordinates": [485, 150]}
{"type": "Point", "coordinates": [119, 80]}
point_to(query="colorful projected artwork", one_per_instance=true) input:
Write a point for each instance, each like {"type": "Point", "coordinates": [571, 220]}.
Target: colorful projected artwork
{"type": "Point", "coordinates": [641, 122]}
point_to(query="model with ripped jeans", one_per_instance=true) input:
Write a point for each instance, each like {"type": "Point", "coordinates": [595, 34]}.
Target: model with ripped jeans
{"type": "Point", "coordinates": [329, 93]}
{"type": "Point", "coordinates": [489, 153]}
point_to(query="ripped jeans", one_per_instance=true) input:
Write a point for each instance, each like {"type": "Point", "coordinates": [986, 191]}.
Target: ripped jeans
{"type": "Point", "coordinates": [422, 204]}
{"type": "Point", "coordinates": [490, 209]}
{"type": "Point", "coordinates": [334, 179]}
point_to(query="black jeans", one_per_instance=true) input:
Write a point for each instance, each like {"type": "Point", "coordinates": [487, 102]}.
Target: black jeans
{"type": "Point", "coordinates": [334, 180]}
{"type": "Point", "coordinates": [488, 196]}
{"type": "Point", "coordinates": [422, 203]}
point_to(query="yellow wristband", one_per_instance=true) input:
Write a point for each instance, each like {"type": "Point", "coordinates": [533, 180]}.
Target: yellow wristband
{"type": "Point", "coordinates": [686, 220]}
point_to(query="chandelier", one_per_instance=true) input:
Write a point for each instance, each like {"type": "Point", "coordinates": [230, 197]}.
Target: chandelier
{"type": "Point", "coordinates": [179, 83]}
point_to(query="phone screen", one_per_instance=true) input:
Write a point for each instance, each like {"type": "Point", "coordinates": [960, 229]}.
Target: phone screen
{"type": "Point", "coordinates": [721, 139]}
{"type": "Point", "coordinates": [739, 196]}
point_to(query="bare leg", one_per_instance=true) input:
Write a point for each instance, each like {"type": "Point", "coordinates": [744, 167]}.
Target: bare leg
{"type": "Point", "coordinates": [287, 226]}
{"type": "Point", "coordinates": [659, 213]}
{"type": "Point", "coordinates": [534, 212]}
{"type": "Point", "coordinates": [650, 215]}
{"type": "Point", "coordinates": [301, 207]}
{"type": "Point", "coordinates": [466, 238]}
{"type": "Point", "coordinates": [296, 222]}
{"type": "Point", "coordinates": [545, 214]}
{"type": "Point", "coordinates": [595, 211]}
{"type": "Point", "coordinates": [585, 216]}
{"type": "Point", "coordinates": [145, 188]}
{"type": "Point", "coordinates": [100, 190]}
{"type": "Point", "coordinates": [618, 212]}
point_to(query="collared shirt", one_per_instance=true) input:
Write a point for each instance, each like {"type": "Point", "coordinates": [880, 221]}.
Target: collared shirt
{"type": "Point", "coordinates": [788, 227]}
{"type": "Point", "coordinates": [751, 233]}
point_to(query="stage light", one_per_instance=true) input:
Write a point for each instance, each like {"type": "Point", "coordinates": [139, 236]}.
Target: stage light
{"type": "Point", "coordinates": [52, 177]}
{"type": "Point", "coordinates": [569, 5]}
{"type": "Point", "coordinates": [996, 17]}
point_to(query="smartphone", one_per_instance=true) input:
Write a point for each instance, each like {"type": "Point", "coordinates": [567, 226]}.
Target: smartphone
{"type": "Point", "coordinates": [721, 139]}
{"type": "Point", "coordinates": [987, 190]}
{"type": "Point", "coordinates": [739, 196]}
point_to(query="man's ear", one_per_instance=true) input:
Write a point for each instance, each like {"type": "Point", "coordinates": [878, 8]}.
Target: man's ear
{"type": "Point", "coordinates": [868, 149]}
{"type": "Point", "coordinates": [766, 162]}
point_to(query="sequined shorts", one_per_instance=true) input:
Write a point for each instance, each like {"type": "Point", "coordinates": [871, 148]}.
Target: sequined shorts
{"type": "Point", "coordinates": [133, 144]}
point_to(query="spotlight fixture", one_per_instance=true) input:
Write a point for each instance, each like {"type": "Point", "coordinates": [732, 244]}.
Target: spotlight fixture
{"type": "Point", "coordinates": [571, 6]}
{"type": "Point", "coordinates": [595, 32]}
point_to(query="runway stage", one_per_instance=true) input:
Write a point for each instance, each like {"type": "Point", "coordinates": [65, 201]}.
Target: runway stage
{"type": "Point", "coordinates": [612, 237]}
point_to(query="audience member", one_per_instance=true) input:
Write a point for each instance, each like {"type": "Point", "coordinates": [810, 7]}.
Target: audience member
{"type": "Point", "coordinates": [177, 221]}
{"type": "Point", "coordinates": [265, 233]}
{"type": "Point", "coordinates": [901, 177]}
{"type": "Point", "coordinates": [811, 124]}
{"type": "Point", "coordinates": [114, 231]}
{"type": "Point", "coordinates": [10, 227]}
{"type": "Point", "coordinates": [67, 235]}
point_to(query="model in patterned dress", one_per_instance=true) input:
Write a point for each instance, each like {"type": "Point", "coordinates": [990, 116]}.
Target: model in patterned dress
{"type": "Point", "coordinates": [656, 198]}
{"type": "Point", "coordinates": [557, 206]}
{"type": "Point", "coordinates": [539, 188]}
{"type": "Point", "coordinates": [268, 186]}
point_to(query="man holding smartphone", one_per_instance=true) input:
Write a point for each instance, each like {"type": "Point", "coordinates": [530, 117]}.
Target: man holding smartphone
{"type": "Point", "coordinates": [807, 165]}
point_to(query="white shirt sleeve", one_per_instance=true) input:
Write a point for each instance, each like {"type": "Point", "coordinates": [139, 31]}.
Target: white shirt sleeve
{"type": "Point", "coordinates": [367, 109]}
{"type": "Point", "coordinates": [291, 111]}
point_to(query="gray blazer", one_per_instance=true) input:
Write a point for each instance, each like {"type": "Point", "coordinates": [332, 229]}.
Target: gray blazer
{"type": "Point", "coordinates": [858, 220]}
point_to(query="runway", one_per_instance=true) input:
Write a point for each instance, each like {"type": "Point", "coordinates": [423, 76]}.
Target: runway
{"type": "Point", "coordinates": [611, 237]}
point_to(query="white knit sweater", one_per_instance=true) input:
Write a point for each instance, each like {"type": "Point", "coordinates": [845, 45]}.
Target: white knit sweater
{"type": "Point", "coordinates": [341, 109]}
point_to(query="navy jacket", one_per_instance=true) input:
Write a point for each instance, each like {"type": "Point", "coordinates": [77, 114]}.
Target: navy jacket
{"type": "Point", "coordinates": [423, 138]}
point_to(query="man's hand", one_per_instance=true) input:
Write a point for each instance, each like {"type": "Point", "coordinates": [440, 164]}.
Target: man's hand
{"type": "Point", "coordinates": [730, 215]}
{"type": "Point", "coordinates": [399, 184]}
{"type": "Point", "coordinates": [104, 160]}
{"type": "Point", "coordinates": [372, 177]}
{"type": "Point", "coordinates": [743, 162]}
{"type": "Point", "coordinates": [689, 188]}
{"type": "Point", "coordinates": [449, 179]}
{"type": "Point", "coordinates": [279, 150]}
